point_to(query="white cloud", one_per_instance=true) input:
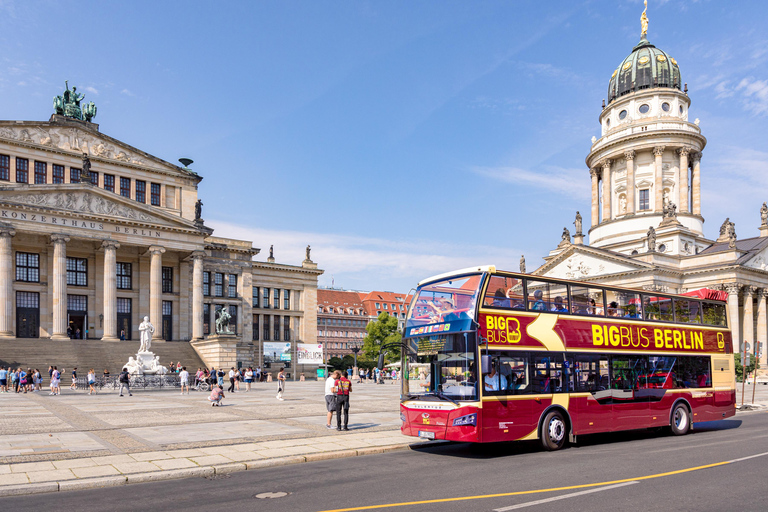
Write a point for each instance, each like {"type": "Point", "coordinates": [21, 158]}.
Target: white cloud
{"type": "Point", "coordinates": [92, 90]}
{"type": "Point", "coordinates": [755, 94]}
{"type": "Point", "coordinates": [363, 262]}
{"type": "Point", "coordinates": [127, 92]}
{"type": "Point", "coordinates": [570, 182]}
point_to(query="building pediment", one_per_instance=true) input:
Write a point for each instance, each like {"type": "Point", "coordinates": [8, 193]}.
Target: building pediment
{"type": "Point", "coordinates": [582, 262]}
{"type": "Point", "coordinates": [78, 137]}
{"type": "Point", "coordinates": [88, 202]}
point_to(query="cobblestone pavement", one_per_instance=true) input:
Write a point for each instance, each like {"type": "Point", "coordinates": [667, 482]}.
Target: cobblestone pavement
{"type": "Point", "coordinates": [75, 440]}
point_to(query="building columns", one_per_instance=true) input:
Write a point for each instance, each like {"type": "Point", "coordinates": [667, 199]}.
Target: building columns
{"type": "Point", "coordinates": [748, 328]}
{"type": "Point", "coordinates": [606, 190]}
{"type": "Point", "coordinates": [156, 288]}
{"type": "Point", "coordinates": [595, 197]}
{"type": "Point", "coordinates": [733, 314]}
{"type": "Point", "coordinates": [630, 158]}
{"type": "Point", "coordinates": [696, 184]}
{"type": "Point", "coordinates": [110, 290]}
{"type": "Point", "coordinates": [762, 326]}
{"type": "Point", "coordinates": [59, 302]}
{"type": "Point", "coordinates": [197, 295]}
{"type": "Point", "coordinates": [658, 179]}
{"type": "Point", "coordinates": [6, 282]}
{"type": "Point", "coordinates": [683, 179]}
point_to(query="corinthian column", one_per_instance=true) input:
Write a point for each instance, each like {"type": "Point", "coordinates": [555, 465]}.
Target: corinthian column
{"type": "Point", "coordinates": [658, 184]}
{"type": "Point", "coordinates": [59, 328]}
{"type": "Point", "coordinates": [748, 332]}
{"type": "Point", "coordinates": [110, 290]}
{"type": "Point", "coordinates": [197, 295]}
{"type": "Point", "coordinates": [683, 181]}
{"type": "Point", "coordinates": [6, 282]}
{"type": "Point", "coordinates": [156, 287]}
{"type": "Point", "coordinates": [629, 156]}
{"type": "Point", "coordinates": [696, 184]}
{"type": "Point", "coordinates": [595, 198]}
{"type": "Point", "coordinates": [762, 326]}
{"type": "Point", "coordinates": [606, 190]}
{"type": "Point", "coordinates": [733, 314]}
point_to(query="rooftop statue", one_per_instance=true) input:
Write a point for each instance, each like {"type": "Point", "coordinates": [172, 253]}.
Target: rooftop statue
{"type": "Point", "coordinates": [68, 105]}
{"type": "Point", "coordinates": [578, 223]}
{"type": "Point", "coordinates": [522, 264]}
{"type": "Point", "coordinates": [644, 21]}
{"type": "Point", "coordinates": [651, 234]}
{"type": "Point", "coordinates": [764, 215]}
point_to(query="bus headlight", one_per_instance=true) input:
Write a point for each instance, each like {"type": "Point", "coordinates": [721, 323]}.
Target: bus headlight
{"type": "Point", "coordinates": [462, 421]}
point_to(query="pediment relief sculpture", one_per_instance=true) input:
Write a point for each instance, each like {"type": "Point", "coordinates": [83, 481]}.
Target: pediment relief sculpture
{"type": "Point", "coordinates": [71, 139]}
{"type": "Point", "coordinates": [80, 202]}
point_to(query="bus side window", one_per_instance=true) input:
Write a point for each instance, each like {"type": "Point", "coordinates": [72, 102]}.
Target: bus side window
{"type": "Point", "coordinates": [514, 369]}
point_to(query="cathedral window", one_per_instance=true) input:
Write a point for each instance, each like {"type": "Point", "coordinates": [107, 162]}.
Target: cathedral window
{"type": "Point", "coordinates": [22, 170]}
{"type": "Point", "coordinates": [141, 191]}
{"type": "Point", "coordinates": [58, 174]}
{"type": "Point", "coordinates": [27, 267]}
{"type": "Point", "coordinates": [622, 114]}
{"type": "Point", "coordinates": [167, 279]}
{"type": "Point", "coordinates": [5, 168]}
{"type": "Point", "coordinates": [124, 275]}
{"type": "Point", "coordinates": [155, 194]}
{"type": "Point", "coordinates": [644, 200]}
{"type": "Point", "coordinates": [125, 187]}
{"type": "Point", "coordinates": [77, 272]}
{"type": "Point", "coordinates": [74, 174]}
{"type": "Point", "coordinates": [94, 177]}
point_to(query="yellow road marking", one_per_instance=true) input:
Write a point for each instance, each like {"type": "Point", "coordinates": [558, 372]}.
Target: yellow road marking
{"type": "Point", "coordinates": [539, 491]}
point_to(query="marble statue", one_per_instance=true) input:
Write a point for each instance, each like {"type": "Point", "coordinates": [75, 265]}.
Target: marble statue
{"type": "Point", "coordinates": [764, 215]}
{"type": "Point", "coordinates": [86, 168]}
{"type": "Point", "coordinates": [732, 239]}
{"type": "Point", "coordinates": [724, 226]}
{"type": "Point", "coordinates": [222, 322]}
{"type": "Point", "coordinates": [669, 210]}
{"type": "Point", "coordinates": [198, 210]}
{"type": "Point", "coordinates": [577, 223]}
{"type": "Point", "coordinates": [522, 264]}
{"type": "Point", "coordinates": [566, 236]}
{"type": "Point", "coordinates": [272, 251]}
{"type": "Point", "coordinates": [651, 234]}
{"type": "Point", "coordinates": [147, 330]}
{"type": "Point", "coordinates": [309, 249]}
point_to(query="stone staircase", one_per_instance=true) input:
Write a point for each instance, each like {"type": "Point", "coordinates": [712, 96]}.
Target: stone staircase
{"type": "Point", "coordinates": [85, 354]}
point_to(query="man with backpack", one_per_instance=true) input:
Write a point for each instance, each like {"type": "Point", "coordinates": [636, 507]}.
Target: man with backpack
{"type": "Point", "coordinates": [125, 381]}
{"type": "Point", "coordinates": [342, 387]}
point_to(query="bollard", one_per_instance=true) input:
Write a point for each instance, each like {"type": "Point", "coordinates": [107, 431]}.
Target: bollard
{"type": "Point", "coordinates": [269, 377]}
{"type": "Point", "coordinates": [301, 379]}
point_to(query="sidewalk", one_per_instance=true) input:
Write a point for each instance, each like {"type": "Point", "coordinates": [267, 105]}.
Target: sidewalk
{"type": "Point", "coordinates": [77, 441]}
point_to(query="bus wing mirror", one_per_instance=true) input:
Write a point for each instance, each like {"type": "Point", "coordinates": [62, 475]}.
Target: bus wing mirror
{"type": "Point", "coordinates": [485, 364]}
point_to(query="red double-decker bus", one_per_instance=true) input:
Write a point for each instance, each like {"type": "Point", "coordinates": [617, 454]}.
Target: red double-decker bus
{"type": "Point", "coordinates": [493, 356]}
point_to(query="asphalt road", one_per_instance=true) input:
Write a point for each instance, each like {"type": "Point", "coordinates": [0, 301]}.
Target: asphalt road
{"type": "Point", "coordinates": [615, 472]}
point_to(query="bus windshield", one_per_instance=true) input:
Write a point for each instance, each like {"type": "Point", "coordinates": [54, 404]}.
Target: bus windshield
{"type": "Point", "coordinates": [440, 367]}
{"type": "Point", "coordinates": [444, 306]}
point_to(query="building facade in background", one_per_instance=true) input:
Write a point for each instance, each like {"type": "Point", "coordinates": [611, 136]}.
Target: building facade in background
{"type": "Point", "coordinates": [341, 322]}
{"type": "Point", "coordinates": [96, 234]}
{"type": "Point", "coordinates": [647, 212]}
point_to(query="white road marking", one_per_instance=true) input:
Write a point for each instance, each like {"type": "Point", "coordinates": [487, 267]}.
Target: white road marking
{"type": "Point", "coordinates": [749, 457]}
{"type": "Point", "coordinates": [564, 496]}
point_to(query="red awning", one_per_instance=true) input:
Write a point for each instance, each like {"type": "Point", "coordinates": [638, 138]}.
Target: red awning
{"type": "Point", "coordinates": [706, 293]}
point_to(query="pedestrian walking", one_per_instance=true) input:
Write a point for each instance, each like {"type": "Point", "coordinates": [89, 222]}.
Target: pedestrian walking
{"type": "Point", "coordinates": [55, 379]}
{"type": "Point", "coordinates": [125, 382]}
{"type": "Point", "coordinates": [22, 381]}
{"type": "Point", "coordinates": [3, 380]}
{"type": "Point", "coordinates": [74, 379]}
{"type": "Point", "coordinates": [91, 381]}
{"type": "Point", "coordinates": [38, 380]}
{"type": "Point", "coordinates": [220, 378]}
{"type": "Point", "coordinates": [232, 377]}
{"type": "Point", "coordinates": [184, 379]}
{"type": "Point", "coordinates": [280, 384]}
{"type": "Point", "coordinates": [248, 378]}
{"type": "Point", "coordinates": [342, 388]}
{"type": "Point", "coordinates": [330, 397]}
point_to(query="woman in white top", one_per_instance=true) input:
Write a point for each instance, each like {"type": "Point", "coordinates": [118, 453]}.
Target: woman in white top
{"type": "Point", "coordinates": [248, 378]}
{"type": "Point", "coordinates": [184, 379]}
{"type": "Point", "coordinates": [91, 381]}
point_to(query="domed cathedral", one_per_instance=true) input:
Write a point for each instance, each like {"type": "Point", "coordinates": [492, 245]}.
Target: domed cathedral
{"type": "Point", "coordinates": [646, 227]}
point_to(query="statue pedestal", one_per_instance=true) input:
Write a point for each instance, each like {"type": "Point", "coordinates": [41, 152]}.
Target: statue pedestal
{"type": "Point", "coordinates": [218, 350]}
{"type": "Point", "coordinates": [763, 231]}
{"type": "Point", "coordinates": [145, 363]}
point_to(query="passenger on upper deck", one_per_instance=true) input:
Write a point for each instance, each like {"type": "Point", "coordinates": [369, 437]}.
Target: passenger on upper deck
{"type": "Point", "coordinates": [500, 299]}
{"type": "Point", "coordinates": [538, 305]}
{"type": "Point", "coordinates": [613, 309]}
{"type": "Point", "coordinates": [559, 306]}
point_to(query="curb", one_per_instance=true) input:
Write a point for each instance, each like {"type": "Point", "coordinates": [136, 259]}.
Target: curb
{"type": "Point", "coordinates": [203, 471]}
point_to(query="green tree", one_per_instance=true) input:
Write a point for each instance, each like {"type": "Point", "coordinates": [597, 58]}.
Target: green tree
{"type": "Point", "coordinates": [348, 361]}
{"type": "Point", "coordinates": [336, 363]}
{"type": "Point", "coordinates": [740, 367]}
{"type": "Point", "coordinates": [381, 331]}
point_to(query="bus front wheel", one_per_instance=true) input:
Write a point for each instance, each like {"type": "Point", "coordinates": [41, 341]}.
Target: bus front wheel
{"type": "Point", "coordinates": [553, 431]}
{"type": "Point", "coordinates": [681, 421]}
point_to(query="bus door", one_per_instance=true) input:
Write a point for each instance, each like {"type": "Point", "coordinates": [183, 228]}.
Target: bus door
{"type": "Point", "coordinates": [591, 402]}
{"type": "Point", "coordinates": [629, 391]}
{"type": "Point", "coordinates": [507, 403]}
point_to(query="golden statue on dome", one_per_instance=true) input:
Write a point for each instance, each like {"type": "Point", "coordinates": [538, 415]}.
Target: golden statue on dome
{"type": "Point", "coordinates": [644, 21]}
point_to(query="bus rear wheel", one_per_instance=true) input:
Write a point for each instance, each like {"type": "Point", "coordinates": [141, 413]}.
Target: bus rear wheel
{"type": "Point", "coordinates": [681, 421]}
{"type": "Point", "coordinates": [553, 431]}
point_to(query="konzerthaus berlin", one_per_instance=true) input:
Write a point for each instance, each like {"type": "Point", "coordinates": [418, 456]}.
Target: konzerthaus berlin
{"type": "Point", "coordinates": [96, 234]}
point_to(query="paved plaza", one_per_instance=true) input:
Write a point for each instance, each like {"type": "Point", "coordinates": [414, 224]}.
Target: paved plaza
{"type": "Point", "coordinates": [50, 443]}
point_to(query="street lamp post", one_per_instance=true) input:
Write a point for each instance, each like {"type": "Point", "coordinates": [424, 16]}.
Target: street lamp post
{"type": "Point", "coordinates": [355, 349]}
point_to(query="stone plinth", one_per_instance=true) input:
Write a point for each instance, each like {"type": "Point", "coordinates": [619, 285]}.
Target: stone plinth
{"type": "Point", "coordinates": [218, 350]}
{"type": "Point", "coordinates": [763, 231]}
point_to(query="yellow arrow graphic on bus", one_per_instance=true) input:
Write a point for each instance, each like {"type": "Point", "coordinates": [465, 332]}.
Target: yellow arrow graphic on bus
{"type": "Point", "coordinates": [543, 330]}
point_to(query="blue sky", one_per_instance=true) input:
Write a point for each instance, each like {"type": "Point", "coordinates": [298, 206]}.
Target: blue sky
{"type": "Point", "coordinates": [400, 139]}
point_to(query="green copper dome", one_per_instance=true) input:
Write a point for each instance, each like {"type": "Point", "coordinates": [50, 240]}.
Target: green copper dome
{"type": "Point", "coordinates": [645, 68]}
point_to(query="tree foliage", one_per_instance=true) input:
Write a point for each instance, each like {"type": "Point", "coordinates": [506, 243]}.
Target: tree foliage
{"type": "Point", "coordinates": [750, 368]}
{"type": "Point", "coordinates": [382, 331]}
